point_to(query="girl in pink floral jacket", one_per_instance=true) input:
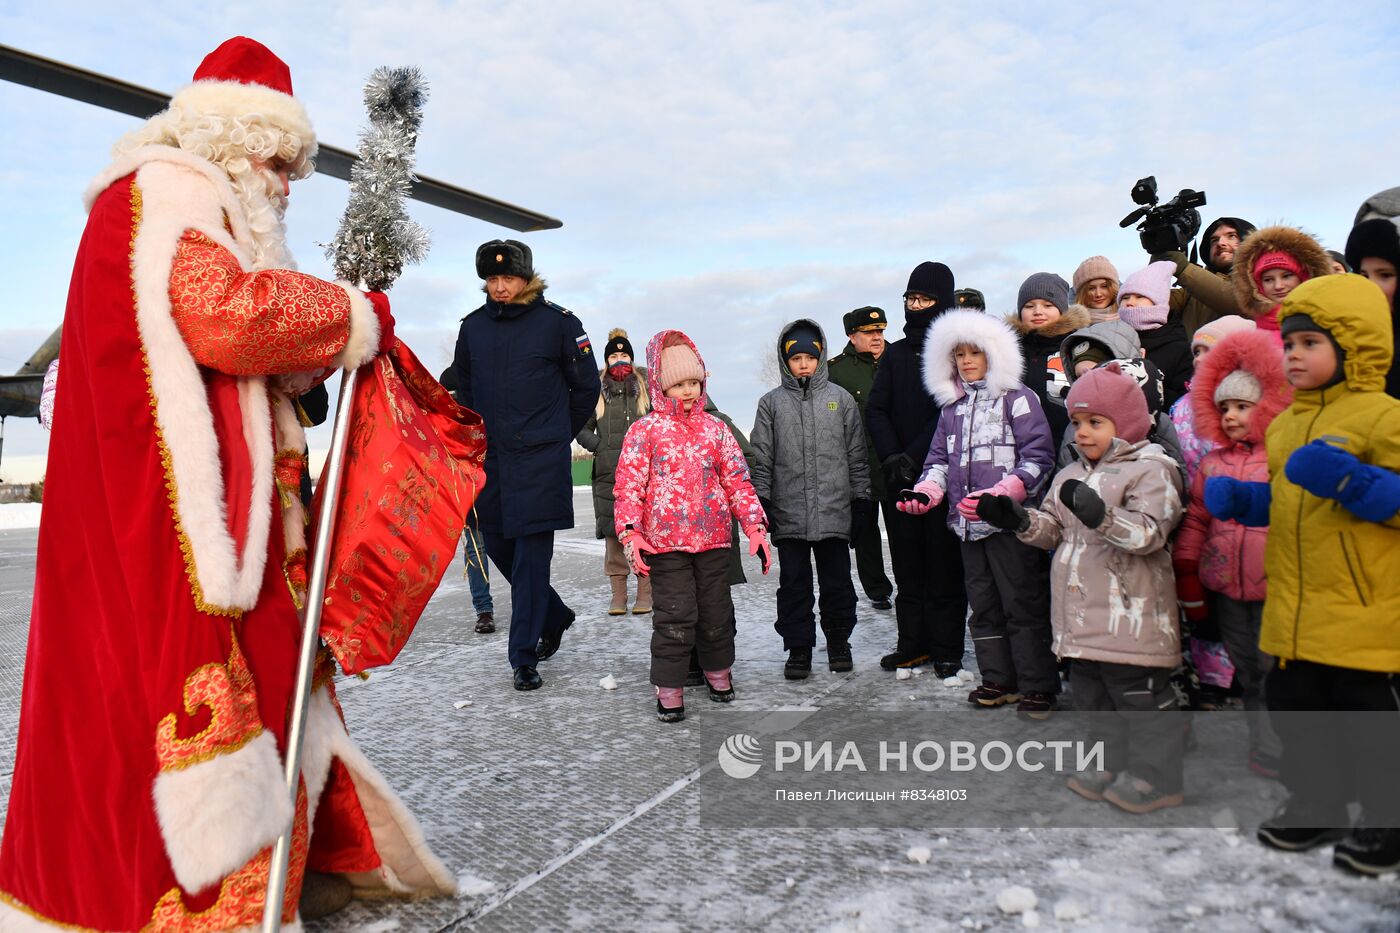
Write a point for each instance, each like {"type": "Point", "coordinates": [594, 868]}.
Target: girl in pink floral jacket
{"type": "Point", "coordinates": [680, 477]}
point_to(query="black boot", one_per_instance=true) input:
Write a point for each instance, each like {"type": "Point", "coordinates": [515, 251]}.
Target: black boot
{"type": "Point", "coordinates": [527, 678]}
{"type": "Point", "coordinates": [838, 655]}
{"type": "Point", "coordinates": [694, 677]}
{"type": "Point", "coordinates": [799, 664]}
{"type": "Point", "coordinates": [549, 642]}
{"type": "Point", "coordinates": [669, 714]}
{"type": "Point", "coordinates": [901, 658]}
{"type": "Point", "coordinates": [1369, 852]}
{"type": "Point", "coordinates": [946, 669]}
{"type": "Point", "coordinates": [1296, 831]}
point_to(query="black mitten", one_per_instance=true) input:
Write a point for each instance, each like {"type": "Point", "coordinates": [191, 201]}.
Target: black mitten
{"type": "Point", "coordinates": [1002, 512]}
{"type": "Point", "coordinates": [1083, 502]}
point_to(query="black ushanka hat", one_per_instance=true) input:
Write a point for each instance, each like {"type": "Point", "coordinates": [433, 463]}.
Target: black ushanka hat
{"type": "Point", "coordinates": [505, 257]}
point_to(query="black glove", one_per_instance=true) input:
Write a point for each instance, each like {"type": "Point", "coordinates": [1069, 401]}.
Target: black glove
{"type": "Point", "coordinates": [862, 510]}
{"type": "Point", "coordinates": [900, 471]}
{"type": "Point", "coordinates": [1174, 255]}
{"type": "Point", "coordinates": [1002, 512]}
{"type": "Point", "coordinates": [1083, 502]}
{"type": "Point", "coordinates": [770, 515]}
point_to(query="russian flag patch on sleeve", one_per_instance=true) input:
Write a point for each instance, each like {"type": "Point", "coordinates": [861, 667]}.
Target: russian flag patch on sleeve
{"type": "Point", "coordinates": [585, 346]}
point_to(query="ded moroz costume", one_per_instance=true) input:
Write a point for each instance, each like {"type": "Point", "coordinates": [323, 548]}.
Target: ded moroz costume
{"type": "Point", "coordinates": [148, 785]}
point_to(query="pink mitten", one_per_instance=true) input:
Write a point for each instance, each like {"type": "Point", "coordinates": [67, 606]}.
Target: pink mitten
{"type": "Point", "coordinates": [634, 547]}
{"type": "Point", "coordinates": [919, 500]}
{"type": "Point", "coordinates": [758, 547]}
{"type": "Point", "coordinates": [1010, 486]}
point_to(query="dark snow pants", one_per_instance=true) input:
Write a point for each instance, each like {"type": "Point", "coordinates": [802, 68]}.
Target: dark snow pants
{"type": "Point", "coordinates": [691, 608]}
{"type": "Point", "coordinates": [1329, 761]}
{"type": "Point", "coordinates": [930, 603]}
{"type": "Point", "coordinates": [797, 622]}
{"type": "Point", "coordinates": [1008, 588]}
{"type": "Point", "coordinates": [534, 606]}
{"type": "Point", "coordinates": [1148, 742]}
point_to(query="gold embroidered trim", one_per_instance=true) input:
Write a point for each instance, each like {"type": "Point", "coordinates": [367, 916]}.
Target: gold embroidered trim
{"type": "Point", "coordinates": [25, 909]}
{"type": "Point", "coordinates": [171, 489]}
{"type": "Point", "coordinates": [232, 698]}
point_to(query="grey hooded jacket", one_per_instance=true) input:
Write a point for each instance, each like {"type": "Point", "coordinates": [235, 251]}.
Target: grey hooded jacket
{"type": "Point", "coordinates": [809, 457]}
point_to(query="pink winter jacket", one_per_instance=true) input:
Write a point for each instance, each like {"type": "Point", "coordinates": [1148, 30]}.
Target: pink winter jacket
{"type": "Point", "coordinates": [681, 474]}
{"type": "Point", "coordinates": [1227, 556]}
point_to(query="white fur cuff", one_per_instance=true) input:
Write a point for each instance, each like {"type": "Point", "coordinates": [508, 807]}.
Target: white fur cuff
{"type": "Point", "coordinates": [218, 814]}
{"type": "Point", "coordinates": [363, 344]}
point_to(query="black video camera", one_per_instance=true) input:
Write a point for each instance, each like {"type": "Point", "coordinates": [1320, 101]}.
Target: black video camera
{"type": "Point", "coordinates": [1171, 226]}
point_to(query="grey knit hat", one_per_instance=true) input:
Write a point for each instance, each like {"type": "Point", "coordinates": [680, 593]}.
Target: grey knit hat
{"type": "Point", "coordinates": [1241, 385]}
{"type": "Point", "coordinates": [1046, 285]}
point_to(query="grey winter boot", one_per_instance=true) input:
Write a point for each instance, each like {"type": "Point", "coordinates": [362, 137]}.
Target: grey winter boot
{"type": "Point", "coordinates": [323, 894]}
{"type": "Point", "coordinates": [643, 604]}
{"type": "Point", "coordinates": [618, 607]}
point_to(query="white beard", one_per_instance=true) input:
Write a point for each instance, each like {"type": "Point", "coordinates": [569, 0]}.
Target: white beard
{"type": "Point", "coordinates": [265, 206]}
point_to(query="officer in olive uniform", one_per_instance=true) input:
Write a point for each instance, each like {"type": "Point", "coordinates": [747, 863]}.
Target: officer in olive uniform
{"type": "Point", "coordinates": [525, 365]}
{"type": "Point", "coordinates": [854, 370]}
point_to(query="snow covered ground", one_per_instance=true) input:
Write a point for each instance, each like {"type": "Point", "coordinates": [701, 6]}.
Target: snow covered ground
{"type": "Point", "coordinates": [573, 808]}
{"type": "Point", "coordinates": [16, 515]}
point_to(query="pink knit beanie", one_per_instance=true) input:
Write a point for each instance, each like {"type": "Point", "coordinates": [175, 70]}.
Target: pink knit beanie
{"type": "Point", "coordinates": [1153, 283]}
{"type": "Point", "coordinates": [1095, 267]}
{"type": "Point", "coordinates": [1211, 333]}
{"type": "Point", "coordinates": [1106, 391]}
{"type": "Point", "coordinates": [677, 364]}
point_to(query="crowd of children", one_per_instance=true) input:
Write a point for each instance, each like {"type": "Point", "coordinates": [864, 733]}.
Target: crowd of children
{"type": "Point", "coordinates": [1129, 500]}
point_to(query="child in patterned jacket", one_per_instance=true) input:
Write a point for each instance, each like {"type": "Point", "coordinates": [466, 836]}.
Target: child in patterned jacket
{"type": "Point", "coordinates": [679, 479]}
{"type": "Point", "coordinates": [992, 437]}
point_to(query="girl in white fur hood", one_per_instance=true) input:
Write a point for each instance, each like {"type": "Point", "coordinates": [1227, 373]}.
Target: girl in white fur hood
{"type": "Point", "coordinates": [992, 437]}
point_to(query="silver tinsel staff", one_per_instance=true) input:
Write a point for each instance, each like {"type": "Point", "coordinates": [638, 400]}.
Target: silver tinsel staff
{"type": "Point", "coordinates": [375, 241]}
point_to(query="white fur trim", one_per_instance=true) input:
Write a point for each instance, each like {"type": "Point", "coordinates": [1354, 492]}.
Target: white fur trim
{"type": "Point", "coordinates": [235, 99]}
{"type": "Point", "coordinates": [408, 866]}
{"type": "Point", "coordinates": [322, 725]}
{"type": "Point", "coordinates": [175, 199]}
{"type": "Point", "coordinates": [216, 815]}
{"type": "Point", "coordinates": [363, 344]}
{"type": "Point", "coordinates": [1005, 363]}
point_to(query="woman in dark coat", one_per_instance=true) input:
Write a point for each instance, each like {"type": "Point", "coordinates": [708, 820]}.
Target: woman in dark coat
{"type": "Point", "coordinates": [622, 401]}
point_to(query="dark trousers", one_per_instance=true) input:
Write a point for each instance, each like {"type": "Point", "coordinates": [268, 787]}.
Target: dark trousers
{"type": "Point", "coordinates": [797, 623]}
{"type": "Point", "coordinates": [1008, 588]}
{"type": "Point", "coordinates": [691, 609]}
{"type": "Point", "coordinates": [870, 560]}
{"type": "Point", "coordinates": [534, 606]}
{"type": "Point", "coordinates": [1239, 624]}
{"type": "Point", "coordinates": [1329, 761]}
{"type": "Point", "coordinates": [930, 604]}
{"type": "Point", "coordinates": [1150, 740]}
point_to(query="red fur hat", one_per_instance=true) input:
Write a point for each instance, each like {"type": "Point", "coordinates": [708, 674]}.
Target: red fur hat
{"type": "Point", "coordinates": [1255, 352]}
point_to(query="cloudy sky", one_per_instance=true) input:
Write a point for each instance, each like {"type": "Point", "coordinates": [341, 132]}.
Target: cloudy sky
{"type": "Point", "coordinates": [727, 166]}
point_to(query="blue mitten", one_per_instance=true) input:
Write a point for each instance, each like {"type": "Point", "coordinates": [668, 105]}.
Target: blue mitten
{"type": "Point", "coordinates": [1369, 492]}
{"type": "Point", "coordinates": [1229, 499]}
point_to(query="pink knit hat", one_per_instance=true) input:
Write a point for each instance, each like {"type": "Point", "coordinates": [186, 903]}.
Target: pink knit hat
{"type": "Point", "coordinates": [1211, 333]}
{"type": "Point", "coordinates": [1278, 259]}
{"type": "Point", "coordinates": [1106, 391]}
{"type": "Point", "coordinates": [677, 364]}
{"type": "Point", "coordinates": [1095, 267]}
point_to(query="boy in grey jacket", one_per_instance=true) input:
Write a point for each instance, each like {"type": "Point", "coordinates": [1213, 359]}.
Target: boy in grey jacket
{"type": "Point", "coordinates": [812, 475]}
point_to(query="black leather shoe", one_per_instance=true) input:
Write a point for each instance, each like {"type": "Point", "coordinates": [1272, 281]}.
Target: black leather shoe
{"type": "Point", "coordinates": [947, 668]}
{"type": "Point", "coordinates": [883, 604]}
{"type": "Point", "coordinates": [549, 643]}
{"type": "Point", "coordinates": [1369, 852]}
{"type": "Point", "coordinates": [799, 664]}
{"type": "Point", "coordinates": [527, 678]}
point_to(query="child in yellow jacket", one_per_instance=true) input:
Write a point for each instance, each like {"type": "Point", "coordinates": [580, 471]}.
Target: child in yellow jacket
{"type": "Point", "coordinates": [1332, 616]}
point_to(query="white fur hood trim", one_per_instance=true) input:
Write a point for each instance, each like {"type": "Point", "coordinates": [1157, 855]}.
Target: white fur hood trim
{"type": "Point", "coordinates": [1005, 364]}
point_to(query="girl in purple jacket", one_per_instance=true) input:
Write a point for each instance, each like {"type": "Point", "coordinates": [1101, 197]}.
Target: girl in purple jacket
{"type": "Point", "coordinates": [992, 437]}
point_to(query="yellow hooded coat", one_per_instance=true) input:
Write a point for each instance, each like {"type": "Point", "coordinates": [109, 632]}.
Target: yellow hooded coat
{"type": "Point", "coordinates": [1334, 579]}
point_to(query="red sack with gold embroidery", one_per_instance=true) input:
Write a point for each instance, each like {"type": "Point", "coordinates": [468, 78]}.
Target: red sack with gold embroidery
{"type": "Point", "coordinates": [414, 464]}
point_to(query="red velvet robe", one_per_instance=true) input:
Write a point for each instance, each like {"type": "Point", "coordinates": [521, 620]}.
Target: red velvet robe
{"type": "Point", "coordinates": [162, 652]}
